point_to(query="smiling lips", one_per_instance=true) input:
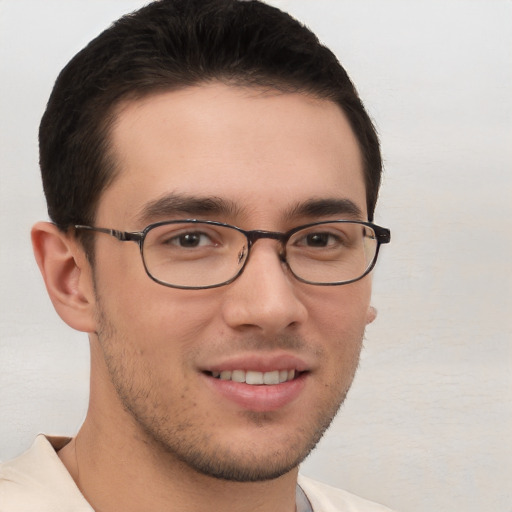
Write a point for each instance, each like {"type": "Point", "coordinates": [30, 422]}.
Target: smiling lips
{"type": "Point", "coordinates": [258, 391]}
{"type": "Point", "coordinates": [256, 378]}
{"type": "Point", "coordinates": [260, 382]}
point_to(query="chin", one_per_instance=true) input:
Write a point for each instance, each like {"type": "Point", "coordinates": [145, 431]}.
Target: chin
{"type": "Point", "coordinates": [266, 455]}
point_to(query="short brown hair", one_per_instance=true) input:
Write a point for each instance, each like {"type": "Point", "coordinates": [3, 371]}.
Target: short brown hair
{"type": "Point", "coordinates": [168, 45]}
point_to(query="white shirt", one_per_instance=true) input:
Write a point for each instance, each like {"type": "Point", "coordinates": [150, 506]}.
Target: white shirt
{"type": "Point", "coordinates": [37, 481]}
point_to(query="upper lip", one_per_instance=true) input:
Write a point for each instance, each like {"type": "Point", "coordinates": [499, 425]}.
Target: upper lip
{"type": "Point", "coordinates": [259, 363]}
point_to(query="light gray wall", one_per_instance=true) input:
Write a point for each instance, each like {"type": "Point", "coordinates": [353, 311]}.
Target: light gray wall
{"type": "Point", "coordinates": [428, 423]}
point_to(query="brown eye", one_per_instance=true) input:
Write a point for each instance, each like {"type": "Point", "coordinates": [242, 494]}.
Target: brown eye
{"type": "Point", "coordinates": [317, 240]}
{"type": "Point", "coordinates": [189, 240]}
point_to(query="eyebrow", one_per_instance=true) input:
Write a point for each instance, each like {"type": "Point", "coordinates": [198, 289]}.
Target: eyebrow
{"type": "Point", "coordinates": [315, 208]}
{"type": "Point", "coordinates": [171, 205]}
{"type": "Point", "coordinates": [178, 204]}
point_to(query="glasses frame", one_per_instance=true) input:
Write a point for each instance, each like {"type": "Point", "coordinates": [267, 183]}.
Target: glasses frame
{"type": "Point", "coordinates": [383, 236]}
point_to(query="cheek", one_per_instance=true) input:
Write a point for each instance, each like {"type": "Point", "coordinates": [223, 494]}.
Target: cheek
{"type": "Point", "coordinates": [185, 314]}
{"type": "Point", "coordinates": [340, 310]}
{"type": "Point", "coordinates": [338, 317]}
{"type": "Point", "coordinates": [158, 319]}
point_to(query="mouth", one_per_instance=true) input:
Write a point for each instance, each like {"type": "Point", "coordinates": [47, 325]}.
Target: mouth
{"type": "Point", "coordinates": [258, 382]}
{"type": "Point", "coordinates": [256, 378]}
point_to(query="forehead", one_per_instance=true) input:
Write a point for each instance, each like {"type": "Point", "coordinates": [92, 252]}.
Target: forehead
{"type": "Point", "coordinates": [263, 153]}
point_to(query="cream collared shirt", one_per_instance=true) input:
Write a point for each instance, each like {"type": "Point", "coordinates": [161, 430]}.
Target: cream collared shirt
{"type": "Point", "coordinates": [37, 481]}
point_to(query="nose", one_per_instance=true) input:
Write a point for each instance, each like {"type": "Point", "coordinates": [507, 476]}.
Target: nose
{"type": "Point", "coordinates": [264, 298]}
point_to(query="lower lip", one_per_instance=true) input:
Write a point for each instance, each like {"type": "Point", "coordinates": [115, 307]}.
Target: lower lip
{"type": "Point", "coordinates": [260, 398]}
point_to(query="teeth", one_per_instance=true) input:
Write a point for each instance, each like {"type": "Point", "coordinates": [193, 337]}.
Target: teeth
{"type": "Point", "coordinates": [271, 377]}
{"type": "Point", "coordinates": [238, 376]}
{"type": "Point", "coordinates": [256, 378]}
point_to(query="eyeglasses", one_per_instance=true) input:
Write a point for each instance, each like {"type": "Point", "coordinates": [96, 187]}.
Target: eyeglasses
{"type": "Point", "coordinates": [198, 254]}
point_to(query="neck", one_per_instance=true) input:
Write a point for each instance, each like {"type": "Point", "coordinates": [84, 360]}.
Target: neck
{"type": "Point", "coordinates": [115, 475]}
{"type": "Point", "coordinates": [117, 466]}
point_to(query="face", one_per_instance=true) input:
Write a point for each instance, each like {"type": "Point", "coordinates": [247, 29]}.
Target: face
{"type": "Point", "coordinates": [158, 351]}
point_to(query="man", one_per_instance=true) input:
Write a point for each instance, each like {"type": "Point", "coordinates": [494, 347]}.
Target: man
{"type": "Point", "coordinates": [211, 175]}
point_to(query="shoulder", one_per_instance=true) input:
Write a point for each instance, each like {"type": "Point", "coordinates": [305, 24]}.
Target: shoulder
{"type": "Point", "coordinates": [325, 498]}
{"type": "Point", "coordinates": [38, 481]}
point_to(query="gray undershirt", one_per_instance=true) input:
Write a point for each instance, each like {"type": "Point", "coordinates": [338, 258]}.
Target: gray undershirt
{"type": "Point", "coordinates": [301, 500]}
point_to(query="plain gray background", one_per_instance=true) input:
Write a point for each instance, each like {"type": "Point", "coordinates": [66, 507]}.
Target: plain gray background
{"type": "Point", "coordinates": [428, 423]}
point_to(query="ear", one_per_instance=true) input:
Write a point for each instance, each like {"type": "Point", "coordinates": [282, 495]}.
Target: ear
{"type": "Point", "coordinates": [67, 275]}
{"type": "Point", "coordinates": [371, 315]}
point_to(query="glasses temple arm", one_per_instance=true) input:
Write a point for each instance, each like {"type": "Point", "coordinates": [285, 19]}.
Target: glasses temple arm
{"type": "Point", "coordinates": [123, 236]}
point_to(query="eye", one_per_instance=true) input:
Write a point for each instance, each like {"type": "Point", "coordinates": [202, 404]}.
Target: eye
{"type": "Point", "coordinates": [319, 239]}
{"type": "Point", "coordinates": [191, 240]}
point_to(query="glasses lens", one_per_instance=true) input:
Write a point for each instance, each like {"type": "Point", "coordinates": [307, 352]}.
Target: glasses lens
{"type": "Point", "coordinates": [333, 252]}
{"type": "Point", "coordinates": [194, 254]}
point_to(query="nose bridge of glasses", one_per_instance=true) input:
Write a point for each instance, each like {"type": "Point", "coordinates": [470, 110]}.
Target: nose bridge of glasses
{"type": "Point", "coordinates": [258, 234]}
{"type": "Point", "coordinates": [253, 236]}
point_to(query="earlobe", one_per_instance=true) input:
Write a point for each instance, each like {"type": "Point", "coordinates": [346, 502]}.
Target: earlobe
{"type": "Point", "coordinates": [371, 315]}
{"type": "Point", "coordinates": [67, 275]}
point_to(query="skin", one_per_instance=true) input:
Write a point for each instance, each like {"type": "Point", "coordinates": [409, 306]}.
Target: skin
{"type": "Point", "coordinates": [156, 419]}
